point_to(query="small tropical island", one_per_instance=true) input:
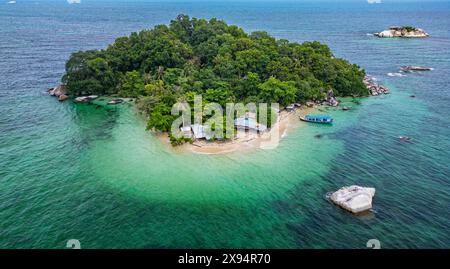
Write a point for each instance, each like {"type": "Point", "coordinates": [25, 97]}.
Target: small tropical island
{"type": "Point", "coordinates": [174, 63]}
{"type": "Point", "coordinates": [403, 32]}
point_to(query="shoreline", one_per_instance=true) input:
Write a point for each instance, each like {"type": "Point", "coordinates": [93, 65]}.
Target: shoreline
{"type": "Point", "coordinates": [287, 122]}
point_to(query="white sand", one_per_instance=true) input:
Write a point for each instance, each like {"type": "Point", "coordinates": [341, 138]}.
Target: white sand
{"type": "Point", "coordinates": [287, 121]}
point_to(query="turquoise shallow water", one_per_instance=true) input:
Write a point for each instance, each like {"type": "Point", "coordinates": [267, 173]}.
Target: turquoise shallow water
{"type": "Point", "coordinates": [75, 171]}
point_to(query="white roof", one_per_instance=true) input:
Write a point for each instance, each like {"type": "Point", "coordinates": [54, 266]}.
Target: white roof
{"type": "Point", "coordinates": [249, 123]}
{"type": "Point", "coordinates": [198, 131]}
{"type": "Point", "coordinates": [185, 128]}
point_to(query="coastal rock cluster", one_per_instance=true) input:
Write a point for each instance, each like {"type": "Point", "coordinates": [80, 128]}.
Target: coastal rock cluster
{"type": "Point", "coordinates": [354, 198]}
{"type": "Point", "coordinates": [404, 31]}
{"type": "Point", "coordinates": [331, 99]}
{"type": "Point", "coordinates": [374, 88]}
{"type": "Point", "coordinates": [60, 92]}
{"type": "Point", "coordinates": [412, 68]}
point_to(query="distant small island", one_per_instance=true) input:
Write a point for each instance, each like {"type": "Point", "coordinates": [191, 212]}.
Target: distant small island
{"type": "Point", "coordinates": [402, 31]}
{"type": "Point", "coordinates": [173, 63]}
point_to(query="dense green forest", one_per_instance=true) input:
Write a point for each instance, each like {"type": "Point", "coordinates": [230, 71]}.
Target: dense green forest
{"type": "Point", "coordinates": [172, 63]}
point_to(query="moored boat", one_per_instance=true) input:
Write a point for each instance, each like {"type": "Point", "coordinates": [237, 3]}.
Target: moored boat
{"type": "Point", "coordinates": [115, 102]}
{"type": "Point", "coordinates": [317, 119]}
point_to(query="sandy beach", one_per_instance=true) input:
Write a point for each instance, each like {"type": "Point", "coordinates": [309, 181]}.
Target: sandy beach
{"type": "Point", "coordinates": [287, 122]}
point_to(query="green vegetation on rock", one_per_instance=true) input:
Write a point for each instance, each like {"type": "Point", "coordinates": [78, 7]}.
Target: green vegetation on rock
{"type": "Point", "coordinates": [409, 28]}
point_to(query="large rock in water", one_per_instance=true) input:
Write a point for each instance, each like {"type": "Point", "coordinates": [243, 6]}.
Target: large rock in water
{"type": "Point", "coordinates": [355, 199]}
{"type": "Point", "coordinates": [411, 68]}
{"type": "Point", "coordinates": [405, 31]}
{"type": "Point", "coordinates": [63, 97]}
{"type": "Point", "coordinates": [373, 87]}
{"type": "Point", "coordinates": [58, 91]}
{"type": "Point", "coordinates": [331, 100]}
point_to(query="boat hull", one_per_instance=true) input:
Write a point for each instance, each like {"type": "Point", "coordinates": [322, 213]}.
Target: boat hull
{"type": "Point", "coordinates": [319, 122]}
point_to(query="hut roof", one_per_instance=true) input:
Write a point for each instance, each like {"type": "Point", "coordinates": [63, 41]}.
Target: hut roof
{"type": "Point", "coordinates": [249, 123]}
{"type": "Point", "coordinates": [198, 130]}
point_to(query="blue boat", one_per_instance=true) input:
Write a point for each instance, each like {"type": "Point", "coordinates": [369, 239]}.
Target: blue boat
{"type": "Point", "coordinates": [317, 119]}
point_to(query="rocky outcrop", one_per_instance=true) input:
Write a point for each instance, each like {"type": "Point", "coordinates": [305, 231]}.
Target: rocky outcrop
{"type": "Point", "coordinates": [63, 98]}
{"type": "Point", "coordinates": [331, 100]}
{"type": "Point", "coordinates": [404, 31]}
{"type": "Point", "coordinates": [412, 68]}
{"type": "Point", "coordinates": [355, 199]}
{"type": "Point", "coordinates": [374, 88]}
{"type": "Point", "coordinates": [57, 91]}
{"type": "Point", "coordinates": [60, 92]}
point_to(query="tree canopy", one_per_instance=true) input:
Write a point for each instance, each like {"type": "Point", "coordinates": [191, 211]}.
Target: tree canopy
{"type": "Point", "coordinates": [223, 63]}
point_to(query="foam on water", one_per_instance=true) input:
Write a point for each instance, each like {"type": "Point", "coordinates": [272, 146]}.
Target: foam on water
{"type": "Point", "coordinates": [396, 75]}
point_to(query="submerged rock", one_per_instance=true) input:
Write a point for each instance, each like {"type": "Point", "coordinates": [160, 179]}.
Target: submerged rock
{"type": "Point", "coordinates": [402, 31]}
{"type": "Point", "coordinates": [355, 199]}
{"type": "Point", "coordinates": [405, 138]}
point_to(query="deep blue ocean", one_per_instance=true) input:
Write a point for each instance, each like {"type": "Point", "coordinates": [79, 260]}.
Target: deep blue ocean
{"type": "Point", "coordinates": [68, 171]}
